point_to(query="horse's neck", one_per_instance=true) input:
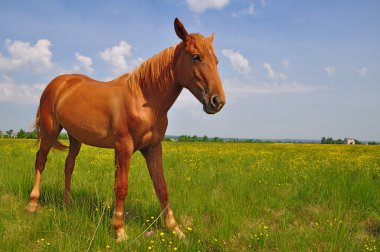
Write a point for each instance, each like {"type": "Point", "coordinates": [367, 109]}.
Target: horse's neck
{"type": "Point", "coordinates": [154, 79]}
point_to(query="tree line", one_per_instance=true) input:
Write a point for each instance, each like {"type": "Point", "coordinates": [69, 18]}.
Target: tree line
{"type": "Point", "coordinates": [330, 140]}
{"type": "Point", "coordinates": [195, 138]}
{"type": "Point", "coordinates": [26, 134]}
{"type": "Point", "coordinates": [186, 138]}
{"type": "Point", "coordinates": [183, 138]}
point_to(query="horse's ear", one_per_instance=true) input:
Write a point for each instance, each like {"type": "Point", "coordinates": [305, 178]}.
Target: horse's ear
{"type": "Point", "coordinates": [180, 29]}
{"type": "Point", "coordinates": [211, 37]}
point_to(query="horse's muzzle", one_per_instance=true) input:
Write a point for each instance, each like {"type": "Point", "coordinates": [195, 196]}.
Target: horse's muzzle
{"type": "Point", "coordinates": [213, 105]}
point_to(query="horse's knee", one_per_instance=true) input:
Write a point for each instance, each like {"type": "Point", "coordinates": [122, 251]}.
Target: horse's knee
{"type": "Point", "coordinates": [117, 220]}
{"type": "Point", "coordinates": [121, 192]}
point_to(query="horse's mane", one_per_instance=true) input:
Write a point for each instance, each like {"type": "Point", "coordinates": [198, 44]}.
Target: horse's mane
{"type": "Point", "coordinates": [156, 71]}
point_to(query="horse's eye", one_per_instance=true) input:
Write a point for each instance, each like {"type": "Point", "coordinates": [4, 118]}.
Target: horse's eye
{"type": "Point", "coordinates": [196, 57]}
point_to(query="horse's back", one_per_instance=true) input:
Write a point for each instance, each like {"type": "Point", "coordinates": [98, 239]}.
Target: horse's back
{"type": "Point", "coordinates": [59, 85]}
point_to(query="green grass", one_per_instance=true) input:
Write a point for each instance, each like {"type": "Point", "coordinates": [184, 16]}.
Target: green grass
{"type": "Point", "coordinates": [225, 196]}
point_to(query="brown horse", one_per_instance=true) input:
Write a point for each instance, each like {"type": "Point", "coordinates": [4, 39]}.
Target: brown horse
{"type": "Point", "coordinates": [128, 114]}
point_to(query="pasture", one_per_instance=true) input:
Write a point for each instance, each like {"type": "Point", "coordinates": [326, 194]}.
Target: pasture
{"type": "Point", "coordinates": [225, 196]}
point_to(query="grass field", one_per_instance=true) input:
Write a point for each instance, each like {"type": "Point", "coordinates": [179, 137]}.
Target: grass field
{"type": "Point", "coordinates": [226, 197]}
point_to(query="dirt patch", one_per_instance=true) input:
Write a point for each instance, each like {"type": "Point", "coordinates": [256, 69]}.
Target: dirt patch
{"type": "Point", "coordinates": [372, 226]}
{"type": "Point", "coordinates": [7, 198]}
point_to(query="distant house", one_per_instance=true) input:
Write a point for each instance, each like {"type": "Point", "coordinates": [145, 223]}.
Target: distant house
{"type": "Point", "coordinates": [349, 140]}
{"type": "Point", "coordinates": [4, 134]}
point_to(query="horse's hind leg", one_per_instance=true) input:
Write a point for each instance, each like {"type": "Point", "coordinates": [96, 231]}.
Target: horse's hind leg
{"type": "Point", "coordinates": [41, 157]}
{"type": "Point", "coordinates": [69, 166]}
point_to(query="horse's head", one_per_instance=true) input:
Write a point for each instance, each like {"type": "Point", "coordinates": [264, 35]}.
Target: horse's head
{"type": "Point", "coordinates": [196, 69]}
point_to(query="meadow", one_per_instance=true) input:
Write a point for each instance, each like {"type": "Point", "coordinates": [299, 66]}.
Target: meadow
{"type": "Point", "coordinates": [225, 196]}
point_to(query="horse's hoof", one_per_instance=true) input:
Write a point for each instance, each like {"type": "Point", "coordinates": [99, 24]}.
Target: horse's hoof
{"type": "Point", "coordinates": [31, 207]}
{"type": "Point", "coordinates": [121, 235]}
{"type": "Point", "coordinates": [179, 233]}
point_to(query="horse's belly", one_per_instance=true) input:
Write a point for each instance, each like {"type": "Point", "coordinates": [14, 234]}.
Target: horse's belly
{"type": "Point", "coordinates": [88, 128]}
{"type": "Point", "coordinates": [94, 139]}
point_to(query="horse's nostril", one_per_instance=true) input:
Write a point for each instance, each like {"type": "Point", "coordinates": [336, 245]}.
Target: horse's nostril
{"type": "Point", "coordinates": [215, 101]}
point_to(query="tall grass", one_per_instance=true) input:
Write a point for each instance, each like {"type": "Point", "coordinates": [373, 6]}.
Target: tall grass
{"type": "Point", "coordinates": [226, 197]}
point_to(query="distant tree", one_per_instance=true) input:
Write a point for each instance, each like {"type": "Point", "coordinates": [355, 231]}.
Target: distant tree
{"type": "Point", "coordinates": [323, 140]}
{"type": "Point", "coordinates": [205, 138]}
{"type": "Point", "coordinates": [9, 132]}
{"type": "Point", "coordinates": [217, 139]}
{"type": "Point", "coordinates": [330, 140]}
{"type": "Point", "coordinates": [372, 143]}
{"type": "Point", "coordinates": [357, 142]}
{"type": "Point", "coordinates": [31, 135]}
{"type": "Point", "coordinates": [21, 134]}
{"type": "Point", "coordinates": [63, 136]}
{"type": "Point", "coordinates": [183, 138]}
{"type": "Point", "coordinates": [339, 141]}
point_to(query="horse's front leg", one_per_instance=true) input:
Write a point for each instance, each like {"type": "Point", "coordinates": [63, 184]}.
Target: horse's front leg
{"type": "Point", "coordinates": [123, 154]}
{"type": "Point", "coordinates": [153, 157]}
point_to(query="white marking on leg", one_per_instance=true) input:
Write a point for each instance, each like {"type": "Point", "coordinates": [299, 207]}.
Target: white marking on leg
{"type": "Point", "coordinates": [118, 213]}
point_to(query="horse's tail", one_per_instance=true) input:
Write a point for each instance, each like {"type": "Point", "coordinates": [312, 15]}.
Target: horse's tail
{"type": "Point", "coordinates": [57, 145]}
{"type": "Point", "coordinates": [36, 126]}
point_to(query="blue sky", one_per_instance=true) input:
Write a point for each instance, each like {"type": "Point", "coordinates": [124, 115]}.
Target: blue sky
{"type": "Point", "coordinates": [290, 69]}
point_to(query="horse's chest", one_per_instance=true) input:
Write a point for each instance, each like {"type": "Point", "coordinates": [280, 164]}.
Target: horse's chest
{"type": "Point", "coordinates": [147, 137]}
{"type": "Point", "coordinates": [147, 132]}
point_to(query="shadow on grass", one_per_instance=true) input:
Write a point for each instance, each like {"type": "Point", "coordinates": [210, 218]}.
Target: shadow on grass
{"type": "Point", "coordinates": [91, 204]}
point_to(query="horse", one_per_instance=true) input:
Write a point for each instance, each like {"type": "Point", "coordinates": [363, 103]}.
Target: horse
{"type": "Point", "coordinates": [127, 114]}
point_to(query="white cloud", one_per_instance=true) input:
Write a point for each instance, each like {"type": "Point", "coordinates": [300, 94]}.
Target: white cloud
{"type": "Point", "coordinates": [25, 94]}
{"type": "Point", "coordinates": [250, 10]}
{"type": "Point", "coordinates": [285, 63]}
{"type": "Point", "coordinates": [120, 58]}
{"type": "Point", "coordinates": [330, 71]}
{"type": "Point", "coordinates": [263, 3]}
{"type": "Point", "coordinates": [83, 62]}
{"type": "Point", "coordinates": [235, 89]}
{"type": "Point", "coordinates": [186, 100]}
{"type": "Point", "coordinates": [200, 6]}
{"type": "Point", "coordinates": [37, 56]}
{"type": "Point", "coordinates": [363, 71]}
{"type": "Point", "coordinates": [237, 60]}
{"type": "Point", "coordinates": [273, 75]}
